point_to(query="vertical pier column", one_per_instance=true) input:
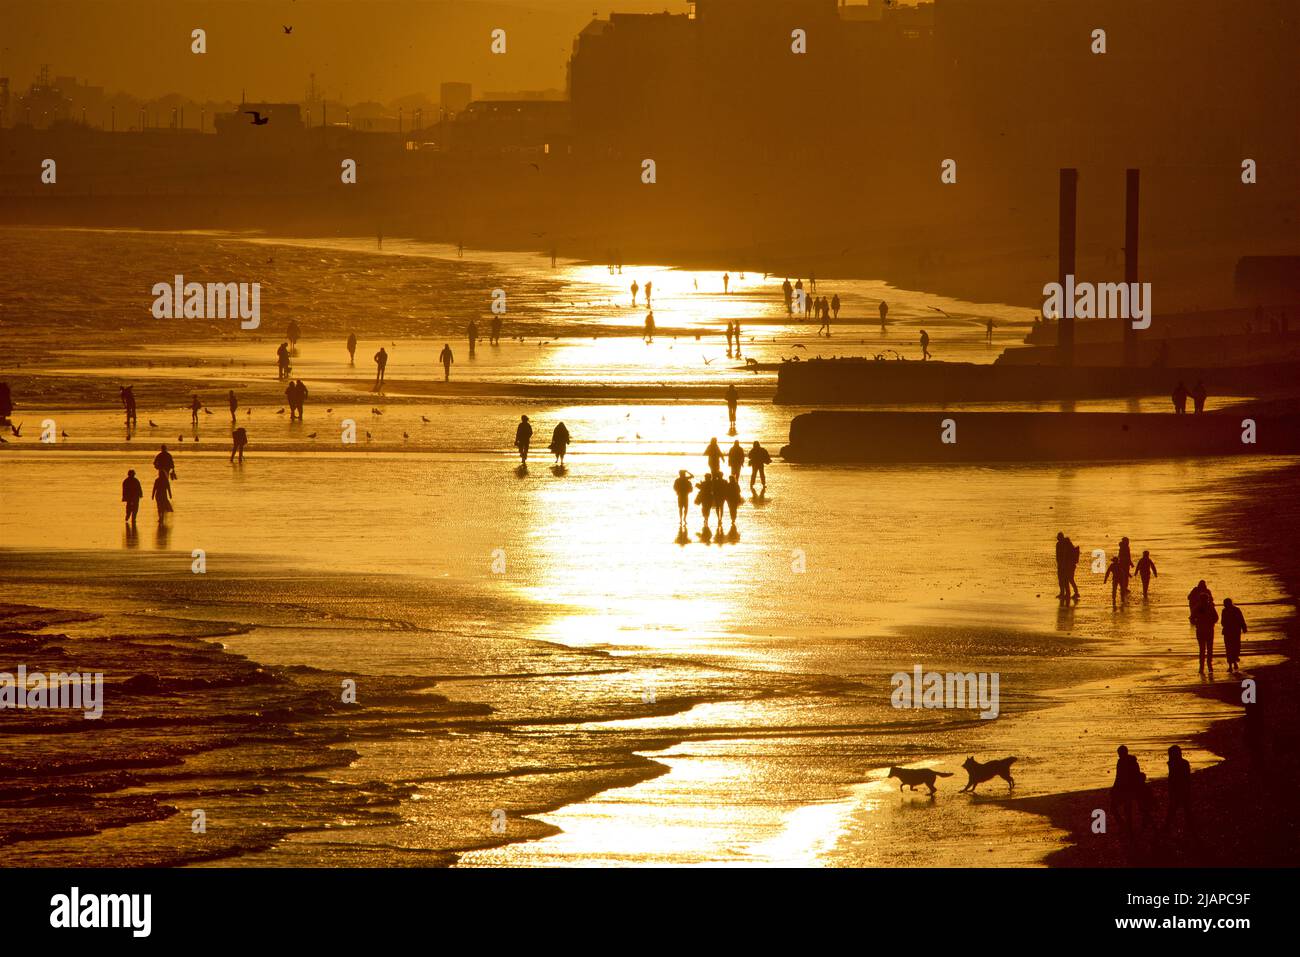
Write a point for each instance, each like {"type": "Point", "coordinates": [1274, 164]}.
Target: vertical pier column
{"type": "Point", "coordinates": [1131, 178]}
{"type": "Point", "coordinates": [1065, 258]}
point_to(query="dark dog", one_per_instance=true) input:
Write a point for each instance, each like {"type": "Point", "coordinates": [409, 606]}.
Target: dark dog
{"type": "Point", "coordinates": [911, 777]}
{"type": "Point", "coordinates": [979, 773]}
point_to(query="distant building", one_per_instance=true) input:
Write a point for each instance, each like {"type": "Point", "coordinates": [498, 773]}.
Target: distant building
{"type": "Point", "coordinates": [497, 126]}
{"type": "Point", "coordinates": [453, 98]}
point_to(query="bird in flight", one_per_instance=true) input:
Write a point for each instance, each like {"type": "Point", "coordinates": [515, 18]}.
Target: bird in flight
{"type": "Point", "coordinates": [258, 118]}
{"type": "Point", "coordinates": [287, 30]}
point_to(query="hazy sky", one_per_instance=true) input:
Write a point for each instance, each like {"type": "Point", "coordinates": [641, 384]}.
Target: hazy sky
{"type": "Point", "coordinates": [358, 49]}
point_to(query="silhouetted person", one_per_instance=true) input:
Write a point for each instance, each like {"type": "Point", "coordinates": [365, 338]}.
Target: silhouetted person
{"type": "Point", "coordinates": [1199, 395]}
{"type": "Point", "coordinates": [1180, 788]}
{"type": "Point", "coordinates": [735, 458]}
{"type": "Point", "coordinates": [835, 307]}
{"type": "Point", "coordinates": [714, 455]}
{"type": "Point", "coordinates": [730, 334]}
{"type": "Point", "coordinates": [473, 335]}
{"type": "Point", "coordinates": [1062, 566]}
{"type": "Point", "coordinates": [787, 291]}
{"type": "Point", "coordinates": [162, 495]}
{"type": "Point", "coordinates": [1233, 623]}
{"type": "Point", "coordinates": [1126, 560]}
{"type": "Point", "coordinates": [381, 361]}
{"type": "Point", "coordinates": [758, 461]}
{"type": "Point", "coordinates": [733, 399]}
{"type": "Point", "coordinates": [737, 328]}
{"type": "Point", "coordinates": [635, 287]}
{"type": "Point", "coordinates": [352, 348]}
{"type": "Point", "coordinates": [131, 494]}
{"type": "Point", "coordinates": [1194, 598]}
{"type": "Point", "coordinates": [884, 311]}
{"type": "Point", "coordinates": [1117, 574]}
{"type": "Point", "coordinates": [302, 397]}
{"type": "Point", "coordinates": [234, 405]}
{"type": "Point", "coordinates": [648, 286]}
{"type": "Point", "coordinates": [1204, 618]}
{"type": "Point", "coordinates": [925, 345]}
{"type": "Point", "coordinates": [523, 436]}
{"type": "Point", "coordinates": [988, 330]}
{"type": "Point", "coordinates": [446, 358]}
{"type": "Point", "coordinates": [1146, 570]}
{"type": "Point", "coordinates": [726, 282]}
{"type": "Point", "coordinates": [682, 486]}
{"type": "Point", "coordinates": [195, 407]}
{"type": "Point", "coordinates": [495, 337]}
{"type": "Point", "coordinates": [164, 464]}
{"type": "Point", "coordinates": [282, 360]}
{"type": "Point", "coordinates": [1127, 795]}
{"type": "Point", "coordinates": [1072, 567]}
{"type": "Point", "coordinates": [1180, 399]}
{"type": "Point", "coordinates": [559, 443]}
{"type": "Point", "coordinates": [291, 396]}
{"type": "Point", "coordinates": [649, 325]}
{"type": "Point", "coordinates": [293, 333]}
{"type": "Point", "coordinates": [127, 393]}
{"type": "Point", "coordinates": [732, 497]}
{"type": "Point", "coordinates": [238, 439]}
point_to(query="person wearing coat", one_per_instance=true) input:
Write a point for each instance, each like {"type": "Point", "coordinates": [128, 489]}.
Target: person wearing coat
{"type": "Point", "coordinates": [559, 443]}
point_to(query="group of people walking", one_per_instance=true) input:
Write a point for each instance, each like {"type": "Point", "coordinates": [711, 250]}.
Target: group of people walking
{"type": "Point", "coordinates": [1203, 615]}
{"type": "Point", "coordinates": [1198, 396]}
{"type": "Point", "coordinates": [524, 437]}
{"type": "Point", "coordinates": [1131, 800]}
{"type": "Point", "coordinates": [716, 493]}
{"type": "Point", "coordinates": [133, 492]}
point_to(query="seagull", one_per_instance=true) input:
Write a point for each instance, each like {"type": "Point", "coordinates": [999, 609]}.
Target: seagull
{"type": "Point", "coordinates": [281, 412]}
{"type": "Point", "coordinates": [376, 412]}
{"type": "Point", "coordinates": [329, 410]}
{"type": "Point", "coordinates": [368, 436]}
{"type": "Point", "coordinates": [799, 346]}
{"type": "Point", "coordinates": [287, 30]}
{"type": "Point", "coordinates": [405, 436]}
{"type": "Point", "coordinates": [65, 434]}
{"type": "Point", "coordinates": [424, 418]}
{"type": "Point", "coordinates": [153, 424]}
{"type": "Point", "coordinates": [258, 118]}
{"type": "Point", "coordinates": [16, 431]}
{"type": "Point", "coordinates": [312, 436]}
{"type": "Point", "coordinates": [207, 410]}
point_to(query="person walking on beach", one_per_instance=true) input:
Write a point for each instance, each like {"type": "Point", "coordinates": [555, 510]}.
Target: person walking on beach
{"type": "Point", "coordinates": [282, 360]}
{"type": "Point", "coordinates": [234, 405]}
{"type": "Point", "coordinates": [787, 291]}
{"type": "Point", "coordinates": [648, 286]}
{"type": "Point", "coordinates": [238, 439]}
{"type": "Point", "coordinates": [161, 494]}
{"type": "Point", "coordinates": [1146, 570]}
{"type": "Point", "coordinates": [195, 406]}
{"type": "Point", "coordinates": [1180, 399]}
{"type": "Point", "coordinates": [352, 348]}
{"type": "Point", "coordinates": [1180, 788]}
{"type": "Point", "coordinates": [824, 308]}
{"type": "Point", "coordinates": [732, 498]}
{"type": "Point", "coordinates": [127, 393]}
{"type": "Point", "coordinates": [759, 458]}
{"type": "Point", "coordinates": [300, 398]}
{"type": "Point", "coordinates": [733, 399]}
{"type": "Point", "coordinates": [704, 498]}
{"type": "Point", "coordinates": [381, 362]}
{"type": "Point", "coordinates": [682, 486]}
{"type": "Point", "coordinates": [131, 494]}
{"type": "Point", "coordinates": [925, 345]}
{"type": "Point", "coordinates": [835, 306]}
{"type": "Point", "coordinates": [446, 358]}
{"type": "Point", "coordinates": [494, 339]}
{"type": "Point", "coordinates": [737, 335]}
{"type": "Point", "coordinates": [714, 455]}
{"type": "Point", "coordinates": [726, 283]}
{"type": "Point", "coordinates": [884, 311]}
{"type": "Point", "coordinates": [649, 324]}
{"type": "Point", "coordinates": [291, 397]}
{"type": "Point", "coordinates": [1204, 618]}
{"type": "Point", "coordinates": [735, 459]}
{"type": "Point", "coordinates": [988, 331]}
{"type": "Point", "coordinates": [1233, 623]}
{"type": "Point", "coordinates": [164, 464]}
{"type": "Point", "coordinates": [729, 335]}
{"type": "Point", "coordinates": [1117, 574]}
{"type": "Point", "coordinates": [1126, 560]}
{"type": "Point", "coordinates": [1062, 566]}
{"type": "Point", "coordinates": [635, 287]}
{"type": "Point", "coordinates": [1128, 793]}
{"type": "Point", "coordinates": [1195, 597]}
{"type": "Point", "coordinates": [1199, 395]}
{"type": "Point", "coordinates": [523, 436]}
{"type": "Point", "coordinates": [473, 335]}
{"type": "Point", "coordinates": [1073, 566]}
{"type": "Point", "coordinates": [559, 443]}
